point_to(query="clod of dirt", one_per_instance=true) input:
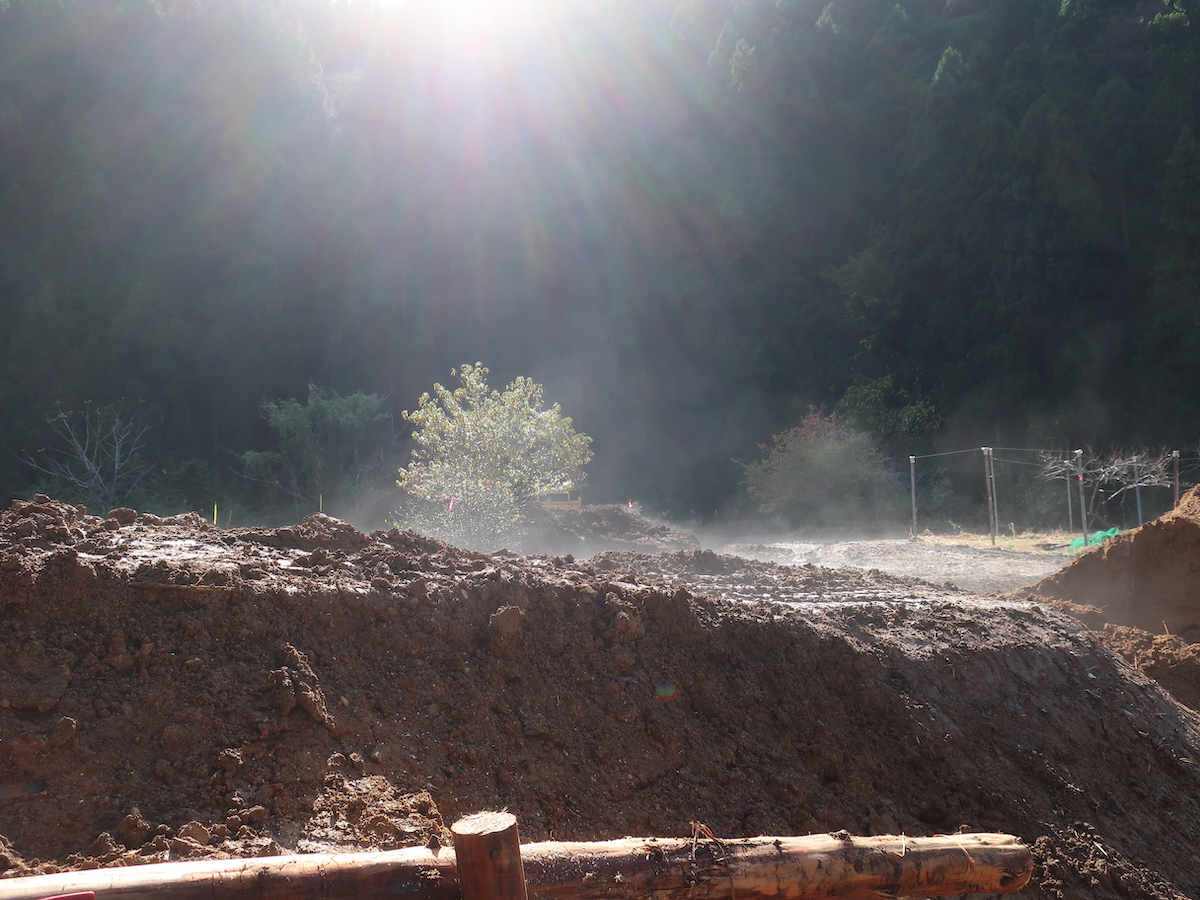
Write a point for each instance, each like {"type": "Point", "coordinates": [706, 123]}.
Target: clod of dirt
{"type": "Point", "coordinates": [153, 685]}
{"type": "Point", "coordinates": [1073, 862]}
{"type": "Point", "coordinates": [124, 515]}
{"type": "Point", "coordinates": [355, 813]}
{"type": "Point", "coordinates": [297, 685]}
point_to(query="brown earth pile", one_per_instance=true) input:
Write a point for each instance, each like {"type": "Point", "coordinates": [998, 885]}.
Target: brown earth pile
{"type": "Point", "coordinates": [172, 690]}
{"type": "Point", "coordinates": [1145, 578]}
{"type": "Point", "coordinates": [1139, 589]}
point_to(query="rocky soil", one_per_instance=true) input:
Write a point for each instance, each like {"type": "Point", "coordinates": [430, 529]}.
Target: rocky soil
{"type": "Point", "coordinates": [170, 690]}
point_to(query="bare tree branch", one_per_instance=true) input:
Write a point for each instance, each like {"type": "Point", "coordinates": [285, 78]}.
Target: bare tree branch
{"type": "Point", "coordinates": [99, 454]}
{"type": "Point", "coordinates": [1114, 474]}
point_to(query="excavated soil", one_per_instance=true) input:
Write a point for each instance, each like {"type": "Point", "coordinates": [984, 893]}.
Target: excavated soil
{"type": "Point", "coordinates": [1138, 590]}
{"type": "Point", "coordinates": [169, 690]}
{"type": "Point", "coordinates": [1144, 578]}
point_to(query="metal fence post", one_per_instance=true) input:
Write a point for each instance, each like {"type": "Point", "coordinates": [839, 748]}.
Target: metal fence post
{"type": "Point", "coordinates": [1082, 499]}
{"type": "Point", "coordinates": [912, 478]}
{"type": "Point", "coordinates": [987, 477]}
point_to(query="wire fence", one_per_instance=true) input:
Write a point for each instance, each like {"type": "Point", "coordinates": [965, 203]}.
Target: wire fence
{"type": "Point", "coordinates": [1110, 476]}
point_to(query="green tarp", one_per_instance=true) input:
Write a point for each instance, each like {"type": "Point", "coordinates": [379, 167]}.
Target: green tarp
{"type": "Point", "coordinates": [1098, 537]}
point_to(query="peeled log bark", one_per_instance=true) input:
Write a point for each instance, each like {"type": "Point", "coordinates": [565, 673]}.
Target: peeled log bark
{"type": "Point", "coordinates": [764, 868]}
{"type": "Point", "coordinates": [785, 868]}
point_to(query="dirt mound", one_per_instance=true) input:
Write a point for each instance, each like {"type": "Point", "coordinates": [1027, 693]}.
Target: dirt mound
{"type": "Point", "coordinates": [587, 531]}
{"type": "Point", "coordinates": [1168, 659]}
{"type": "Point", "coordinates": [1139, 590]}
{"type": "Point", "coordinates": [1143, 578]}
{"type": "Point", "coordinates": [168, 690]}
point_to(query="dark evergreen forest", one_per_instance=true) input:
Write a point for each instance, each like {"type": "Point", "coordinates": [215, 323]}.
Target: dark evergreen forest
{"type": "Point", "coordinates": [953, 222]}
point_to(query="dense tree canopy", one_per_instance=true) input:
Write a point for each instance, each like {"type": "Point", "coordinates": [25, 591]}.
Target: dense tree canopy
{"type": "Point", "coordinates": [957, 222]}
{"type": "Point", "coordinates": [331, 450]}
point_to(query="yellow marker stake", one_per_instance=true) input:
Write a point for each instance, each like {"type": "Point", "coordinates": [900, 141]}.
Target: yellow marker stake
{"type": "Point", "coordinates": [214, 514]}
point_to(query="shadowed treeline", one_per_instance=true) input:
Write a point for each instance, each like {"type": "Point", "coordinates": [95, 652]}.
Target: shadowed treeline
{"type": "Point", "coordinates": [948, 220]}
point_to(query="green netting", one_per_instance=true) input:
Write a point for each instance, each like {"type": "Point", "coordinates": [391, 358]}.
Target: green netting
{"type": "Point", "coordinates": [1098, 537]}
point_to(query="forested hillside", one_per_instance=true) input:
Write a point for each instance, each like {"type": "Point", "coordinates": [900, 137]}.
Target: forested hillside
{"type": "Point", "coordinates": [953, 221]}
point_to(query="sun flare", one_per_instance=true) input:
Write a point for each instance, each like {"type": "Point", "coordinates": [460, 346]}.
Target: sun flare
{"type": "Point", "coordinates": [496, 22]}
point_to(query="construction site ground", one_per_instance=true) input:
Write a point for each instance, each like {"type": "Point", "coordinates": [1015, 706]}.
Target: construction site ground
{"type": "Point", "coordinates": [170, 690]}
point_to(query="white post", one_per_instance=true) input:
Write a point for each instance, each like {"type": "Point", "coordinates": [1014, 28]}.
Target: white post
{"type": "Point", "coordinates": [1175, 457]}
{"type": "Point", "coordinates": [912, 479]}
{"type": "Point", "coordinates": [1137, 489]}
{"type": "Point", "coordinates": [987, 477]}
{"type": "Point", "coordinates": [995, 491]}
{"type": "Point", "coordinates": [1082, 500]}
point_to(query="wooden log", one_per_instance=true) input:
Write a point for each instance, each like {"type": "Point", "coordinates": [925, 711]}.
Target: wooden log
{"type": "Point", "coordinates": [488, 853]}
{"type": "Point", "coordinates": [813, 867]}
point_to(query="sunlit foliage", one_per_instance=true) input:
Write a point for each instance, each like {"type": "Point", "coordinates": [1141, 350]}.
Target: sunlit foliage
{"type": "Point", "coordinates": [482, 456]}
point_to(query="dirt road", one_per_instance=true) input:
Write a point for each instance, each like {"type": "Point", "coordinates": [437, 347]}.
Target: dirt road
{"type": "Point", "coordinates": [972, 568]}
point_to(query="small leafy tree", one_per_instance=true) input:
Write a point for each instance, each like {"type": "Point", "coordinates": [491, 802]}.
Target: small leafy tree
{"type": "Point", "coordinates": [821, 473]}
{"type": "Point", "coordinates": [482, 456]}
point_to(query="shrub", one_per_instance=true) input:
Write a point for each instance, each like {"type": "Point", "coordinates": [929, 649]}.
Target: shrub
{"type": "Point", "coordinates": [482, 456]}
{"type": "Point", "coordinates": [823, 474]}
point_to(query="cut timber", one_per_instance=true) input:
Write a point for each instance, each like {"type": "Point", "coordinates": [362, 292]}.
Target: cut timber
{"type": "Point", "coordinates": [488, 850]}
{"type": "Point", "coordinates": [784, 868]}
{"type": "Point", "coordinates": [763, 868]}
